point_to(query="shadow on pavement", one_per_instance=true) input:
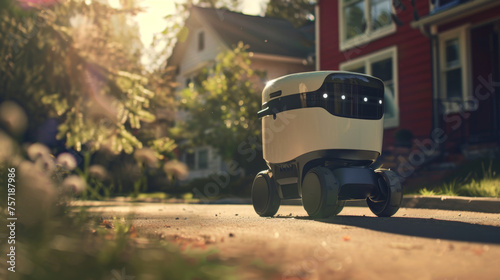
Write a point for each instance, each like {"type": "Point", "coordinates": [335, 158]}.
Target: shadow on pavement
{"type": "Point", "coordinates": [430, 228]}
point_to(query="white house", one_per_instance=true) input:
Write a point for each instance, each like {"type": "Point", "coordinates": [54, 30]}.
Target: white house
{"type": "Point", "coordinates": [275, 45]}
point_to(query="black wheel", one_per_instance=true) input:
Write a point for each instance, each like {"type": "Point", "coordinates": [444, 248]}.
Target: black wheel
{"type": "Point", "coordinates": [320, 190]}
{"type": "Point", "coordinates": [389, 200]}
{"type": "Point", "coordinates": [265, 198]}
{"type": "Point", "coordinates": [339, 208]}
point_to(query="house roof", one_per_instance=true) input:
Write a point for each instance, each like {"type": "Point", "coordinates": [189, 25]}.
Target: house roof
{"type": "Point", "coordinates": [264, 35]}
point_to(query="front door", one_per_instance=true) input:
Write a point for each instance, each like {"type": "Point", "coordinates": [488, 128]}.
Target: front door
{"type": "Point", "coordinates": [485, 59]}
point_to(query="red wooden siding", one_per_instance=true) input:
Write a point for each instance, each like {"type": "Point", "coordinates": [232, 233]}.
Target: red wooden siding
{"type": "Point", "coordinates": [414, 64]}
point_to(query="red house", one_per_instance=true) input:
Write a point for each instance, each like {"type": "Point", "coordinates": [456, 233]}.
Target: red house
{"type": "Point", "coordinates": [439, 60]}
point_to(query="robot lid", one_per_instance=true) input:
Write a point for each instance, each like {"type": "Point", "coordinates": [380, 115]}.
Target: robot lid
{"type": "Point", "coordinates": [341, 93]}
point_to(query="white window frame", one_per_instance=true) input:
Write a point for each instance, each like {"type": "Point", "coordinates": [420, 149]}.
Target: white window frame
{"type": "Point", "coordinates": [369, 35]}
{"type": "Point", "coordinates": [366, 61]}
{"type": "Point", "coordinates": [196, 156]}
{"type": "Point", "coordinates": [462, 34]}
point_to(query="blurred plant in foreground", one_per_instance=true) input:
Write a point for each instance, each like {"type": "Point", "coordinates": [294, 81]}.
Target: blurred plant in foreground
{"type": "Point", "coordinates": [55, 239]}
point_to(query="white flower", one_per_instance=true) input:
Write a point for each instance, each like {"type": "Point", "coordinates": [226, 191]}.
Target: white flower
{"type": "Point", "coordinates": [98, 171]}
{"type": "Point", "coordinates": [146, 156]}
{"type": "Point", "coordinates": [37, 150]}
{"type": "Point", "coordinates": [67, 161]}
{"type": "Point", "coordinates": [37, 193]}
{"type": "Point", "coordinates": [13, 117]}
{"type": "Point", "coordinates": [7, 147]}
{"type": "Point", "coordinates": [45, 163]}
{"type": "Point", "coordinates": [176, 169]}
{"type": "Point", "coordinates": [74, 183]}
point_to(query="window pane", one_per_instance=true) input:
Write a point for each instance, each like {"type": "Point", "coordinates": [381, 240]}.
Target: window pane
{"type": "Point", "coordinates": [383, 70]}
{"type": "Point", "coordinates": [203, 159]}
{"type": "Point", "coordinates": [354, 19]}
{"type": "Point", "coordinates": [454, 83]}
{"type": "Point", "coordinates": [389, 101]}
{"type": "Point", "coordinates": [452, 53]}
{"type": "Point", "coordinates": [201, 41]}
{"type": "Point", "coordinates": [190, 160]}
{"type": "Point", "coordinates": [380, 13]}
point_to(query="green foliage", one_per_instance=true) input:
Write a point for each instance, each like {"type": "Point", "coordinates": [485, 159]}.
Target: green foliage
{"type": "Point", "coordinates": [70, 61]}
{"type": "Point", "coordinates": [298, 12]}
{"type": "Point", "coordinates": [486, 183]}
{"type": "Point", "coordinates": [482, 188]}
{"type": "Point", "coordinates": [222, 106]}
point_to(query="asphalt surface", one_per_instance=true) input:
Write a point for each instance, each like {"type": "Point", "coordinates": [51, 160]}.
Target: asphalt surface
{"type": "Point", "coordinates": [414, 244]}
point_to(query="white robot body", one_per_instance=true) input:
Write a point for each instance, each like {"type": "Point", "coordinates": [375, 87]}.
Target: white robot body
{"type": "Point", "coordinates": [318, 111]}
{"type": "Point", "coordinates": [289, 135]}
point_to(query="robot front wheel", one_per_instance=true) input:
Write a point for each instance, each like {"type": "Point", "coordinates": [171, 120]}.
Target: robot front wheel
{"type": "Point", "coordinates": [320, 193]}
{"type": "Point", "coordinates": [265, 197]}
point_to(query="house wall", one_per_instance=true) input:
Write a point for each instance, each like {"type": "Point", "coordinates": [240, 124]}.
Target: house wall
{"type": "Point", "coordinates": [414, 64]}
{"type": "Point", "coordinates": [214, 163]}
{"type": "Point", "coordinates": [274, 69]}
{"type": "Point", "coordinates": [194, 60]}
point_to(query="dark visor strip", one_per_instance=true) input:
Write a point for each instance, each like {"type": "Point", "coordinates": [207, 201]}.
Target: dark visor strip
{"type": "Point", "coordinates": [352, 101]}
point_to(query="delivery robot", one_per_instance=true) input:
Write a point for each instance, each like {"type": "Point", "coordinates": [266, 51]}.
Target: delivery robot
{"type": "Point", "coordinates": [322, 134]}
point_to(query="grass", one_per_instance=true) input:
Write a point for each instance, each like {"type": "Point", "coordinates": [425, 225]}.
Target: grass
{"type": "Point", "coordinates": [477, 179]}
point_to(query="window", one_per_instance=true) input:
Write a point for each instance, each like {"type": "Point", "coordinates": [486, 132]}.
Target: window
{"type": "Point", "coordinates": [190, 160]}
{"type": "Point", "coordinates": [453, 67]}
{"type": "Point", "coordinates": [364, 20]}
{"type": "Point", "coordinates": [203, 159]}
{"type": "Point", "coordinates": [196, 160]}
{"type": "Point", "coordinates": [201, 41]}
{"type": "Point", "coordinates": [383, 65]}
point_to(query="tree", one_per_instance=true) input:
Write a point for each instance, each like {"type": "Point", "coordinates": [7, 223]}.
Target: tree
{"type": "Point", "coordinates": [65, 61]}
{"type": "Point", "coordinates": [222, 104]}
{"type": "Point", "coordinates": [298, 12]}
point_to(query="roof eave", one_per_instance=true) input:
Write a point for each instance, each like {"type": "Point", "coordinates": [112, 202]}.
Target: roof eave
{"type": "Point", "coordinates": [280, 58]}
{"type": "Point", "coordinates": [454, 13]}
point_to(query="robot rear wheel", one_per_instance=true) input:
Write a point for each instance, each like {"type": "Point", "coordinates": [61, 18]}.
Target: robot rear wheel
{"type": "Point", "coordinates": [387, 202]}
{"type": "Point", "coordinates": [320, 193]}
{"type": "Point", "coordinates": [265, 197]}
